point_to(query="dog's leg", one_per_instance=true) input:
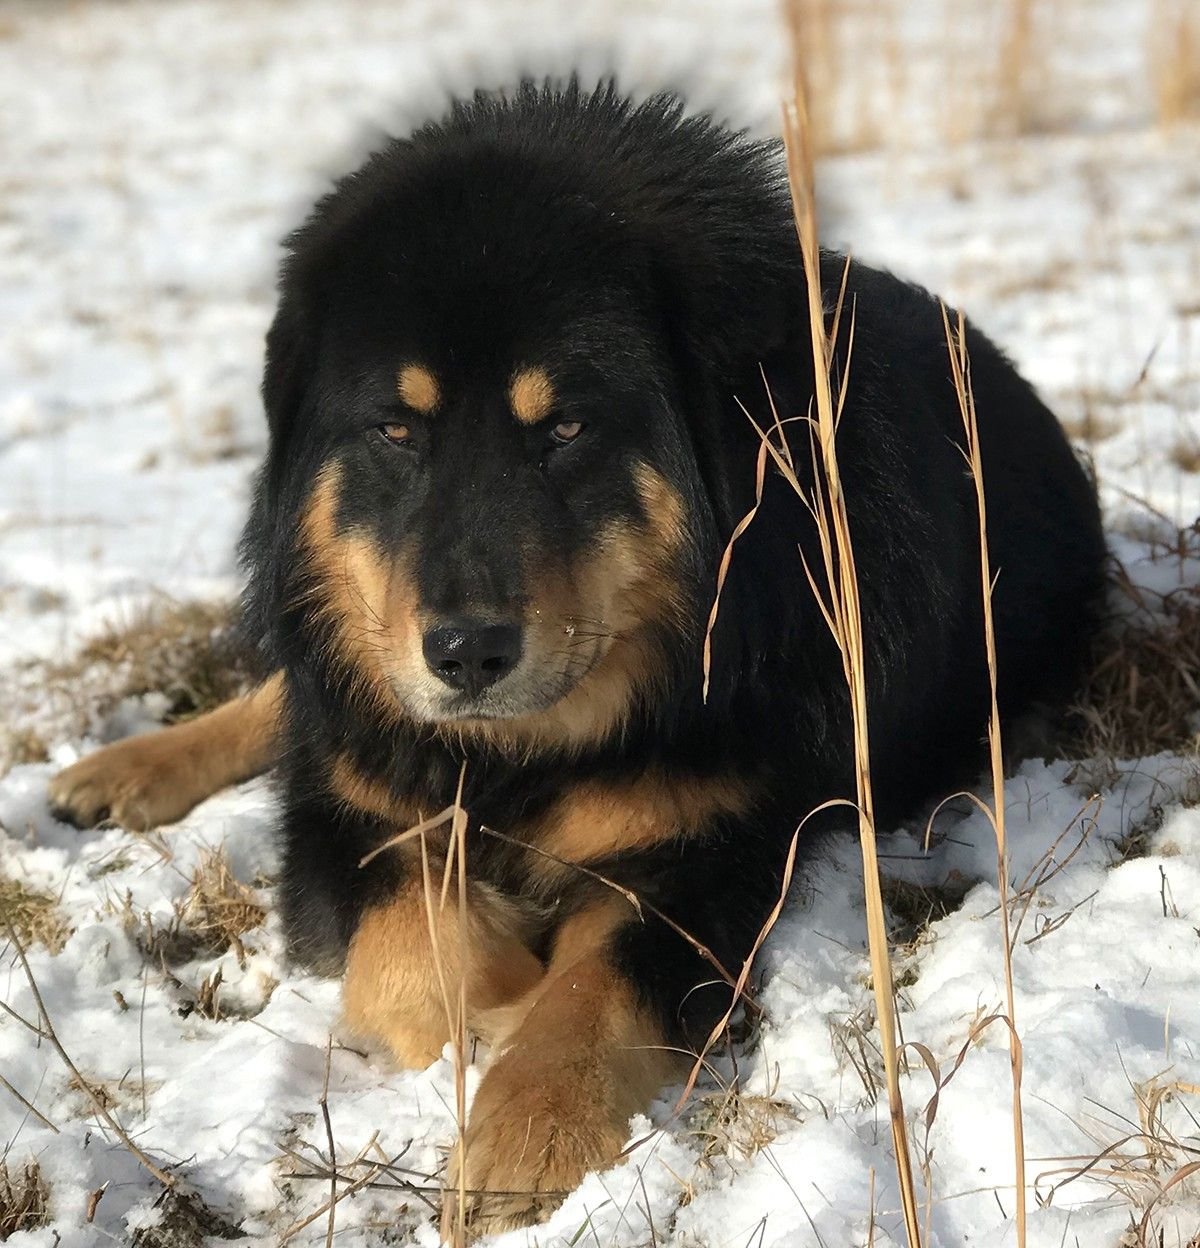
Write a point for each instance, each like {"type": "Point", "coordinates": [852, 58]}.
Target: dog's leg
{"type": "Point", "coordinates": [158, 777]}
{"type": "Point", "coordinates": [585, 1054]}
{"type": "Point", "coordinates": [408, 958]}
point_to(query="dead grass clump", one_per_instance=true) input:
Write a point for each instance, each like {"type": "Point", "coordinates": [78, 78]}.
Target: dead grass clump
{"type": "Point", "coordinates": [1092, 425]}
{"type": "Point", "coordinates": [163, 943]}
{"type": "Point", "coordinates": [734, 1124]}
{"type": "Point", "coordinates": [185, 1222]}
{"type": "Point", "coordinates": [219, 908]}
{"type": "Point", "coordinates": [208, 997]}
{"type": "Point", "coordinates": [913, 907]}
{"type": "Point", "coordinates": [109, 1094]}
{"type": "Point", "coordinates": [1142, 694]}
{"type": "Point", "coordinates": [185, 651]}
{"type": "Point", "coordinates": [34, 915]}
{"type": "Point", "coordinates": [188, 655]}
{"type": "Point", "coordinates": [1139, 838]}
{"type": "Point", "coordinates": [19, 746]}
{"type": "Point", "coordinates": [24, 1199]}
{"type": "Point", "coordinates": [213, 916]}
{"type": "Point", "coordinates": [209, 1001]}
{"type": "Point", "coordinates": [1151, 1164]}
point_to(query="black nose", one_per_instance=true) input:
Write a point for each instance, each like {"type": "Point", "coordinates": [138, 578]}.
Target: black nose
{"type": "Point", "coordinates": [470, 656]}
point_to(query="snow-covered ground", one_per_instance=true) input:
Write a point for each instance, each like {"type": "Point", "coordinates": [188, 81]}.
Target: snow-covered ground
{"type": "Point", "coordinates": [154, 154]}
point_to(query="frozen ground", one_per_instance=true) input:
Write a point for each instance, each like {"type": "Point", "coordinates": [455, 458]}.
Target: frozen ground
{"type": "Point", "coordinates": [155, 152]}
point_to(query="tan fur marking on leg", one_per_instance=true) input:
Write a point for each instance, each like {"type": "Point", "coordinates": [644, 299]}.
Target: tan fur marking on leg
{"type": "Point", "coordinates": [156, 778]}
{"type": "Point", "coordinates": [418, 388]}
{"type": "Point", "coordinates": [582, 1060]}
{"type": "Point", "coordinates": [531, 395]}
{"type": "Point", "coordinates": [392, 989]}
{"type": "Point", "coordinates": [597, 819]}
{"type": "Point", "coordinates": [369, 795]}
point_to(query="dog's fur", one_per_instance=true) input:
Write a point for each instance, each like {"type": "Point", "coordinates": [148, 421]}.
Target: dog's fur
{"type": "Point", "coordinates": [505, 385]}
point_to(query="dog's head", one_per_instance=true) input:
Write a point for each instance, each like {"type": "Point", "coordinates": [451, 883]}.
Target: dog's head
{"type": "Point", "coordinates": [493, 479]}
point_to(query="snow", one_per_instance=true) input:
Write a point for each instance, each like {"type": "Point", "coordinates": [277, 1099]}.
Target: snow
{"type": "Point", "coordinates": [157, 154]}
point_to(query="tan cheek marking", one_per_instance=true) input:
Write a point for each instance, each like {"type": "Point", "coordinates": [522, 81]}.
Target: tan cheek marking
{"type": "Point", "coordinates": [319, 522]}
{"type": "Point", "coordinates": [596, 820]}
{"type": "Point", "coordinates": [370, 606]}
{"type": "Point", "coordinates": [664, 507]}
{"type": "Point", "coordinates": [531, 395]}
{"type": "Point", "coordinates": [352, 584]}
{"type": "Point", "coordinates": [418, 388]}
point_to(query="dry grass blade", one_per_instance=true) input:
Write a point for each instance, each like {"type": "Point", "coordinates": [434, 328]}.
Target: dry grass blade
{"type": "Point", "coordinates": [743, 524]}
{"type": "Point", "coordinates": [460, 1031]}
{"type": "Point", "coordinates": [960, 366]}
{"type": "Point", "coordinates": [24, 1199]}
{"type": "Point", "coordinates": [362, 1181]}
{"type": "Point", "coordinates": [418, 830]}
{"type": "Point", "coordinates": [166, 1179]}
{"type": "Point", "coordinates": [1017, 58]}
{"type": "Point", "coordinates": [1174, 59]}
{"type": "Point", "coordinates": [29, 1105]}
{"type": "Point", "coordinates": [333, 1174]}
{"type": "Point", "coordinates": [454, 995]}
{"type": "Point", "coordinates": [639, 904]}
{"type": "Point", "coordinates": [739, 986]}
{"type": "Point", "coordinates": [843, 601]}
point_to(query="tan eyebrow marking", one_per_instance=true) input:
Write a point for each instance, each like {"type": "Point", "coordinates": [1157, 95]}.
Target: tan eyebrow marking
{"type": "Point", "coordinates": [531, 395]}
{"type": "Point", "coordinates": [418, 388]}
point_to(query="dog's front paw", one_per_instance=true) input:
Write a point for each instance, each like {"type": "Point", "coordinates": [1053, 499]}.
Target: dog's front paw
{"type": "Point", "coordinates": [536, 1128]}
{"type": "Point", "coordinates": [140, 783]}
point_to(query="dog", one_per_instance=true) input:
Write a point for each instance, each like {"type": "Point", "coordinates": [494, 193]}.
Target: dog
{"type": "Point", "coordinates": [516, 387]}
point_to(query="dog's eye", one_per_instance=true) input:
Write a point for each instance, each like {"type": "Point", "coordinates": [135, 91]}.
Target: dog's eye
{"type": "Point", "coordinates": [566, 431]}
{"type": "Point", "coordinates": [396, 433]}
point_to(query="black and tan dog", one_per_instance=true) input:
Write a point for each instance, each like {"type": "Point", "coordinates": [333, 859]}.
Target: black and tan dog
{"type": "Point", "coordinates": [507, 448]}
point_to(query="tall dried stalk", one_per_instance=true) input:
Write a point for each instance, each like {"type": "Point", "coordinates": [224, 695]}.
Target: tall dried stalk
{"type": "Point", "coordinates": [454, 995]}
{"type": "Point", "coordinates": [46, 1029]}
{"type": "Point", "coordinates": [1018, 51]}
{"type": "Point", "coordinates": [841, 605]}
{"type": "Point", "coordinates": [960, 367]}
{"type": "Point", "coordinates": [1174, 60]}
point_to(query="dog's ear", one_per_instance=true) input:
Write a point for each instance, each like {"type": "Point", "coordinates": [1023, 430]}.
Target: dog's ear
{"type": "Point", "coordinates": [290, 359]}
{"type": "Point", "coordinates": [728, 299]}
{"type": "Point", "coordinates": [717, 220]}
{"type": "Point", "coordinates": [731, 303]}
{"type": "Point", "coordinates": [288, 377]}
